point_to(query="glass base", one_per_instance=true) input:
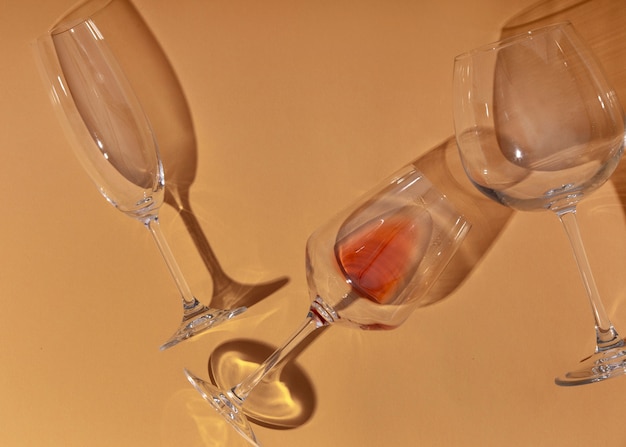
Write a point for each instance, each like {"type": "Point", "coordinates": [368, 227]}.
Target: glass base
{"type": "Point", "coordinates": [224, 405]}
{"type": "Point", "coordinates": [198, 321]}
{"type": "Point", "coordinates": [596, 368]}
{"type": "Point", "coordinates": [284, 399]}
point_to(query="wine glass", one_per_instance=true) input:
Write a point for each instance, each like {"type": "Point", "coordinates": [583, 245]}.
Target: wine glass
{"type": "Point", "coordinates": [368, 268]}
{"type": "Point", "coordinates": [539, 128]}
{"type": "Point", "coordinates": [115, 144]}
{"type": "Point", "coordinates": [128, 35]}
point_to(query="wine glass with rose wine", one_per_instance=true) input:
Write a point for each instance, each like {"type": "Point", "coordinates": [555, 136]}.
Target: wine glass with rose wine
{"type": "Point", "coordinates": [539, 128]}
{"type": "Point", "coordinates": [368, 268]}
{"type": "Point", "coordinates": [115, 144]}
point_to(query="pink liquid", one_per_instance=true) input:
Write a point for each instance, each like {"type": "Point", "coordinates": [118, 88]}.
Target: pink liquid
{"type": "Point", "coordinates": [380, 257]}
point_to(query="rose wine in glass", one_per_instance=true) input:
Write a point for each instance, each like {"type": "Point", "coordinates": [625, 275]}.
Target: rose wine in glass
{"type": "Point", "coordinates": [368, 268]}
{"type": "Point", "coordinates": [381, 256]}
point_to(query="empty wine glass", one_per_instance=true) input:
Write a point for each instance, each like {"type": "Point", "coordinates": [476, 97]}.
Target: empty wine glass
{"type": "Point", "coordinates": [115, 144]}
{"type": "Point", "coordinates": [368, 268]}
{"type": "Point", "coordinates": [128, 35]}
{"type": "Point", "coordinates": [539, 128]}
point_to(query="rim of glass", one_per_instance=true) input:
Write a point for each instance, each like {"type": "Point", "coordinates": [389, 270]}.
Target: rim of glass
{"type": "Point", "coordinates": [77, 14]}
{"type": "Point", "coordinates": [527, 35]}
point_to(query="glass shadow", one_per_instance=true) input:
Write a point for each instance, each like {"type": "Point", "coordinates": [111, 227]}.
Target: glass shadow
{"type": "Point", "coordinates": [442, 165]}
{"type": "Point", "coordinates": [165, 104]}
{"type": "Point", "coordinates": [285, 403]}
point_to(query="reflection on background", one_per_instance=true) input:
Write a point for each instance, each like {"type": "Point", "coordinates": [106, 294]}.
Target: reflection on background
{"type": "Point", "coordinates": [187, 422]}
{"type": "Point", "coordinates": [287, 399]}
{"type": "Point", "coordinates": [163, 100]}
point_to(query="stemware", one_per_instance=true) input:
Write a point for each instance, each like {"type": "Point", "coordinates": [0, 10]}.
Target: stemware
{"type": "Point", "coordinates": [539, 128]}
{"type": "Point", "coordinates": [115, 144]}
{"type": "Point", "coordinates": [288, 388]}
{"type": "Point", "coordinates": [368, 268]}
{"type": "Point", "coordinates": [128, 34]}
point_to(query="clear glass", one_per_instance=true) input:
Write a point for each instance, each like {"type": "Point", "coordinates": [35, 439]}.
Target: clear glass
{"type": "Point", "coordinates": [368, 268]}
{"type": "Point", "coordinates": [539, 128]}
{"type": "Point", "coordinates": [128, 35]}
{"type": "Point", "coordinates": [115, 143]}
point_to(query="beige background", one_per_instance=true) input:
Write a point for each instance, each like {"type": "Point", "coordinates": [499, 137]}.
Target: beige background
{"type": "Point", "coordinates": [298, 107]}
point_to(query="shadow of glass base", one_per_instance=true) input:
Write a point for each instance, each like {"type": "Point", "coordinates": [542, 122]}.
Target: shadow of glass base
{"type": "Point", "coordinates": [284, 400]}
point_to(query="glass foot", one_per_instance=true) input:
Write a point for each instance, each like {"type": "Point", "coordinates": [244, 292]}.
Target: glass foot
{"type": "Point", "coordinates": [198, 321]}
{"type": "Point", "coordinates": [598, 367]}
{"type": "Point", "coordinates": [223, 404]}
{"type": "Point", "coordinates": [284, 399]}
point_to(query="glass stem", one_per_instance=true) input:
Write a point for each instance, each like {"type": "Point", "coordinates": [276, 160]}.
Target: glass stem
{"type": "Point", "coordinates": [189, 301]}
{"type": "Point", "coordinates": [310, 324]}
{"type": "Point", "coordinates": [606, 335]}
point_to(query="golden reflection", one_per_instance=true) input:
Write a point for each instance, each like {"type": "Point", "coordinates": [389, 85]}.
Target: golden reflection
{"type": "Point", "coordinates": [285, 399]}
{"type": "Point", "coordinates": [188, 421]}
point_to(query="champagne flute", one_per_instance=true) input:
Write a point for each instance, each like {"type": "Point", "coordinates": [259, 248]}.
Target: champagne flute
{"type": "Point", "coordinates": [115, 144]}
{"type": "Point", "coordinates": [369, 268]}
{"type": "Point", "coordinates": [119, 22]}
{"type": "Point", "coordinates": [539, 128]}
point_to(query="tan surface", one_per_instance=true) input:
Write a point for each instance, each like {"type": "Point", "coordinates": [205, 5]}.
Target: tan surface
{"type": "Point", "coordinates": [298, 107]}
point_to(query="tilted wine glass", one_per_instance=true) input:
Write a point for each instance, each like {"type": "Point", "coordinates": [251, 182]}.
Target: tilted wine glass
{"type": "Point", "coordinates": [538, 128]}
{"type": "Point", "coordinates": [368, 267]}
{"type": "Point", "coordinates": [115, 144]}
{"type": "Point", "coordinates": [128, 35]}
